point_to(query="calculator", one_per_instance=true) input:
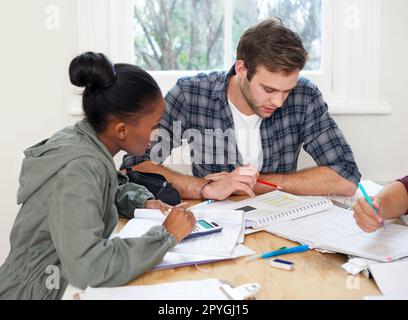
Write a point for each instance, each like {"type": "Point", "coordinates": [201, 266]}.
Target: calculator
{"type": "Point", "coordinates": [204, 227]}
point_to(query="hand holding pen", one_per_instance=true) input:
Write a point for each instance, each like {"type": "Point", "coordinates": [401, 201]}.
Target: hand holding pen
{"type": "Point", "coordinates": [367, 213]}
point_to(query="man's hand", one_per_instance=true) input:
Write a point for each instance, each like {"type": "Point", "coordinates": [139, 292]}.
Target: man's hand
{"type": "Point", "coordinates": [216, 176]}
{"type": "Point", "coordinates": [224, 184]}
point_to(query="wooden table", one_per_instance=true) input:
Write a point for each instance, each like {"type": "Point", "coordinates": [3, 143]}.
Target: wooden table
{"type": "Point", "coordinates": [316, 276]}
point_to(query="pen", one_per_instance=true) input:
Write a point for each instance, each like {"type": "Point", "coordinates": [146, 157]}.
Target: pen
{"type": "Point", "coordinates": [278, 253]}
{"type": "Point", "coordinates": [266, 183]}
{"type": "Point", "coordinates": [284, 251]}
{"type": "Point", "coordinates": [367, 198]}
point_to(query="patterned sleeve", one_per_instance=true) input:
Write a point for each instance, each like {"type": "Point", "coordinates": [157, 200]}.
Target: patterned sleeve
{"type": "Point", "coordinates": [324, 141]}
{"type": "Point", "coordinates": [404, 181]}
{"type": "Point", "coordinates": [169, 133]}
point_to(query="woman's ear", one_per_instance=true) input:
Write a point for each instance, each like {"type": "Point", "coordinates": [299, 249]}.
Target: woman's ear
{"type": "Point", "coordinates": [120, 130]}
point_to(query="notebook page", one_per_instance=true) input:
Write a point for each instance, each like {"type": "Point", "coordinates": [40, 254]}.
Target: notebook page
{"type": "Point", "coordinates": [277, 207]}
{"type": "Point", "coordinates": [387, 244]}
{"type": "Point", "coordinates": [219, 244]}
{"type": "Point", "coordinates": [183, 290]}
{"type": "Point", "coordinates": [336, 230]}
{"type": "Point", "coordinates": [155, 214]}
{"type": "Point", "coordinates": [320, 229]}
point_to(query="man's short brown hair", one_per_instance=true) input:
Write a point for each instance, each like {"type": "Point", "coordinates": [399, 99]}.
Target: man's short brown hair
{"type": "Point", "coordinates": [271, 44]}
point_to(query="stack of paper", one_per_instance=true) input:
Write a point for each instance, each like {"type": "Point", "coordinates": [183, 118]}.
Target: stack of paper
{"type": "Point", "coordinates": [223, 245]}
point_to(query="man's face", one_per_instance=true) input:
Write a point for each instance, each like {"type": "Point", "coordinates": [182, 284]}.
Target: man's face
{"type": "Point", "coordinates": [267, 91]}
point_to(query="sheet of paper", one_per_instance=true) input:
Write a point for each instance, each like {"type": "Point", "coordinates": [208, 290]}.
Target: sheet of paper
{"type": "Point", "coordinates": [387, 244]}
{"type": "Point", "coordinates": [391, 278]}
{"type": "Point", "coordinates": [176, 259]}
{"type": "Point", "coordinates": [183, 290]}
{"type": "Point", "coordinates": [336, 230]}
{"type": "Point", "coordinates": [211, 206]}
{"type": "Point", "coordinates": [355, 266]}
{"type": "Point", "coordinates": [318, 229]}
{"type": "Point", "coordinates": [277, 207]}
{"type": "Point", "coordinates": [220, 244]}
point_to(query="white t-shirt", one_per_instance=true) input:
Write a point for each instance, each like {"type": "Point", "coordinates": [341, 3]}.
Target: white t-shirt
{"type": "Point", "coordinates": [248, 137]}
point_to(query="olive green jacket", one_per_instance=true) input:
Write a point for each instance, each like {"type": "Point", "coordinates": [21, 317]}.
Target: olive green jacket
{"type": "Point", "coordinates": [70, 198]}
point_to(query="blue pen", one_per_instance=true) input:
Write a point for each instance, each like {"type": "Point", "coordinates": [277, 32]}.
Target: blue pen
{"type": "Point", "coordinates": [284, 251]}
{"type": "Point", "coordinates": [367, 198]}
{"type": "Point", "coordinates": [278, 253]}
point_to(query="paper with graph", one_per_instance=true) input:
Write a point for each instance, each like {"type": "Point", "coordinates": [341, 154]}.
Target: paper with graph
{"type": "Point", "coordinates": [278, 207]}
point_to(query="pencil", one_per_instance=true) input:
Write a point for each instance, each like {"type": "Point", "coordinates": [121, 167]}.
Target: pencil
{"type": "Point", "coordinates": [275, 186]}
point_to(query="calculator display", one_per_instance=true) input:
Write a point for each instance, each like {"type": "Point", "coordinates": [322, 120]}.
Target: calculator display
{"type": "Point", "coordinates": [204, 224]}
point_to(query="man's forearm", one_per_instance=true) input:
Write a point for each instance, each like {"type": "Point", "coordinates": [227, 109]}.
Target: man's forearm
{"type": "Point", "coordinates": [319, 181]}
{"type": "Point", "coordinates": [189, 187]}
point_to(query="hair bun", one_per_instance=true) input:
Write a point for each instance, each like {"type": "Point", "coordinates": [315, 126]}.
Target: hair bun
{"type": "Point", "coordinates": [91, 70]}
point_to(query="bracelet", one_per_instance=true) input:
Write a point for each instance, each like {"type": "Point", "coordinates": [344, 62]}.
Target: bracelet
{"type": "Point", "coordinates": [202, 188]}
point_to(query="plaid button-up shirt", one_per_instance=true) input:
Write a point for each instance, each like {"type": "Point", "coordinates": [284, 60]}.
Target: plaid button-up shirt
{"type": "Point", "coordinates": [201, 103]}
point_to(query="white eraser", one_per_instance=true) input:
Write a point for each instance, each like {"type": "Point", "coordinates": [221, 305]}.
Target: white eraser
{"type": "Point", "coordinates": [282, 264]}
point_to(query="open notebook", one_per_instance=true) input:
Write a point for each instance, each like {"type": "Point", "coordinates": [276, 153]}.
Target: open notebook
{"type": "Point", "coordinates": [222, 244]}
{"type": "Point", "coordinates": [336, 230]}
{"type": "Point", "coordinates": [209, 289]}
{"type": "Point", "coordinates": [277, 207]}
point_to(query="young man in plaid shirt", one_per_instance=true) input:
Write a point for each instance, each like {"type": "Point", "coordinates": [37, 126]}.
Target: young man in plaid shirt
{"type": "Point", "coordinates": [260, 113]}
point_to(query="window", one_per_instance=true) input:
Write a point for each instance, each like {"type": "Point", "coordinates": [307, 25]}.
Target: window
{"type": "Point", "coordinates": [174, 38]}
{"type": "Point", "coordinates": [203, 34]}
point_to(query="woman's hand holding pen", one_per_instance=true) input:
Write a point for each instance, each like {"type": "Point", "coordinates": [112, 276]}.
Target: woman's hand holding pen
{"type": "Point", "coordinates": [366, 217]}
{"type": "Point", "coordinates": [180, 223]}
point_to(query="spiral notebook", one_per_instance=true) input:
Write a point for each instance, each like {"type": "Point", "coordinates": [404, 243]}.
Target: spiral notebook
{"type": "Point", "coordinates": [278, 207]}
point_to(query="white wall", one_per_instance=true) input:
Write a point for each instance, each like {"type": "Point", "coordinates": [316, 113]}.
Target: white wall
{"type": "Point", "coordinates": [34, 89]}
{"type": "Point", "coordinates": [35, 95]}
{"type": "Point", "coordinates": [380, 142]}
